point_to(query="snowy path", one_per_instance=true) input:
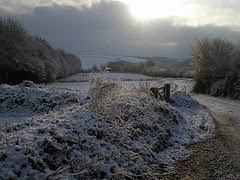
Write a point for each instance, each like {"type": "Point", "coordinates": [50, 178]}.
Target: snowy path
{"type": "Point", "coordinates": [220, 105]}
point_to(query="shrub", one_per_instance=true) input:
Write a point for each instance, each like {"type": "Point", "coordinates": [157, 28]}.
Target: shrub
{"type": "Point", "coordinates": [212, 59]}
{"type": "Point", "coordinates": [144, 87]}
{"type": "Point", "coordinates": [217, 88]}
{"type": "Point", "coordinates": [217, 67]}
{"type": "Point", "coordinates": [232, 80]}
{"type": "Point", "coordinates": [102, 93]}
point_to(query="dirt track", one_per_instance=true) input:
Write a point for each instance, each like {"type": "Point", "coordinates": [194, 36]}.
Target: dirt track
{"type": "Point", "coordinates": [219, 156]}
{"type": "Point", "coordinates": [215, 158]}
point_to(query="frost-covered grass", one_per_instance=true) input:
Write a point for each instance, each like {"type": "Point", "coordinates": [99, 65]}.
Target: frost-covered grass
{"type": "Point", "coordinates": [114, 131]}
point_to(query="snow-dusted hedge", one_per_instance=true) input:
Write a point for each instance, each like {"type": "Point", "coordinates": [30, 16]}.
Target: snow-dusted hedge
{"type": "Point", "coordinates": [26, 57]}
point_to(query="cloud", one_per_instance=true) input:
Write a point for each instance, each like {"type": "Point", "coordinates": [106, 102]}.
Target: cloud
{"type": "Point", "coordinates": [26, 6]}
{"type": "Point", "coordinates": [204, 12]}
{"type": "Point", "coordinates": [17, 6]}
{"type": "Point", "coordinates": [109, 28]}
{"type": "Point", "coordinates": [216, 12]}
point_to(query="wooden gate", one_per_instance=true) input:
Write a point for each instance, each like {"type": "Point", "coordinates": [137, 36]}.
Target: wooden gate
{"type": "Point", "coordinates": [162, 93]}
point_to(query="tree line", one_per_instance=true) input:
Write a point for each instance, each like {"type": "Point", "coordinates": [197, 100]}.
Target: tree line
{"type": "Point", "coordinates": [27, 57]}
{"type": "Point", "coordinates": [153, 68]}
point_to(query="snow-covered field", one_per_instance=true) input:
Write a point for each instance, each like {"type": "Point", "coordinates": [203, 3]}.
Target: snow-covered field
{"type": "Point", "coordinates": [86, 77]}
{"type": "Point", "coordinates": [89, 60]}
{"type": "Point", "coordinates": [104, 127]}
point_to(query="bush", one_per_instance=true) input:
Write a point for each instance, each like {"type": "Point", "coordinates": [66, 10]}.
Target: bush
{"type": "Point", "coordinates": [101, 92]}
{"type": "Point", "coordinates": [217, 88]}
{"type": "Point", "coordinates": [26, 57]}
{"type": "Point", "coordinates": [212, 59]}
{"type": "Point", "coordinates": [217, 67]}
{"type": "Point", "coordinates": [232, 80]}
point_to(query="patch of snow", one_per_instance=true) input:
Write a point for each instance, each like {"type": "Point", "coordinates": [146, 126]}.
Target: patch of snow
{"type": "Point", "coordinates": [222, 105]}
{"type": "Point", "coordinates": [195, 115]}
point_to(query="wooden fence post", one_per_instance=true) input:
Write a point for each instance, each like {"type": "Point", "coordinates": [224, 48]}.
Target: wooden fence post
{"type": "Point", "coordinates": [167, 92]}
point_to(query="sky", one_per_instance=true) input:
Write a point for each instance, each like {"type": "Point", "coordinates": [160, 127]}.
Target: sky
{"type": "Point", "coordinates": [127, 27]}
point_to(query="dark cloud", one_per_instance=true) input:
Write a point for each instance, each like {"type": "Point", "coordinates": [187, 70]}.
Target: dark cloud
{"type": "Point", "coordinates": [109, 28]}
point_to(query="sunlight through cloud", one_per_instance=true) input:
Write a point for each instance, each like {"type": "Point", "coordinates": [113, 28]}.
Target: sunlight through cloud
{"type": "Point", "coordinates": [192, 13]}
{"type": "Point", "coordinates": [153, 9]}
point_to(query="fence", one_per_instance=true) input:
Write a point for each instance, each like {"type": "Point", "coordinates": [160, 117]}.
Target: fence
{"type": "Point", "coordinates": [162, 93]}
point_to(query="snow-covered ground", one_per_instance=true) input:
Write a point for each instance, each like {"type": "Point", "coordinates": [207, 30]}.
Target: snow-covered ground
{"type": "Point", "coordinates": [101, 128]}
{"type": "Point", "coordinates": [221, 105]}
{"type": "Point", "coordinates": [86, 77]}
{"type": "Point", "coordinates": [28, 100]}
{"type": "Point", "coordinates": [89, 60]}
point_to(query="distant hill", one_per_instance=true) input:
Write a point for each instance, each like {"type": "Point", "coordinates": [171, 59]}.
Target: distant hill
{"type": "Point", "coordinates": [162, 62]}
{"type": "Point", "coordinates": [183, 68]}
{"type": "Point", "coordinates": [88, 61]}
{"type": "Point", "coordinates": [155, 67]}
{"type": "Point", "coordinates": [183, 63]}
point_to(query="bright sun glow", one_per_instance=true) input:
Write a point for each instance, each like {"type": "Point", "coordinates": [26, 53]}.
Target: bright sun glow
{"type": "Point", "coordinates": [152, 9]}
